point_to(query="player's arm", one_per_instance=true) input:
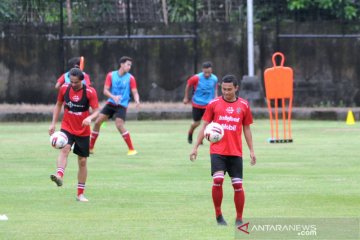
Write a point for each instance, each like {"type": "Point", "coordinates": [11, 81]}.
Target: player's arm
{"type": "Point", "coordinates": [199, 140]}
{"type": "Point", "coordinates": [190, 82]}
{"type": "Point", "coordinates": [186, 94]}
{"type": "Point", "coordinates": [135, 93]}
{"type": "Point", "coordinates": [55, 117]}
{"type": "Point", "coordinates": [216, 90]}
{"type": "Point", "coordinates": [94, 104]}
{"type": "Point", "coordinates": [249, 142]}
{"type": "Point", "coordinates": [60, 82]}
{"type": "Point", "coordinates": [92, 116]}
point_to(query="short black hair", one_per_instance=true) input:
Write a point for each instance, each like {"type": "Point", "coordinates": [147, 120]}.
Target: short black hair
{"type": "Point", "coordinates": [207, 64]}
{"type": "Point", "coordinates": [76, 72]}
{"type": "Point", "coordinates": [124, 59]}
{"type": "Point", "coordinates": [230, 79]}
{"type": "Point", "coordinates": [74, 62]}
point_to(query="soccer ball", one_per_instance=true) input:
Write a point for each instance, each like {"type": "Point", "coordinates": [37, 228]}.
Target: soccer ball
{"type": "Point", "coordinates": [214, 132]}
{"type": "Point", "coordinates": [58, 140]}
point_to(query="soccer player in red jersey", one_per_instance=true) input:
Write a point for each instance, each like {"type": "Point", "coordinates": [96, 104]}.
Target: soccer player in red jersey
{"type": "Point", "coordinates": [65, 78]}
{"type": "Point", "coordinates": [205, 90]}
{"type": "Point", "coordinates": [76, 98]}
{"type": "Point", "coordinates": [234, 114]}
{"type": "Point", "coordinates": [119, 84]}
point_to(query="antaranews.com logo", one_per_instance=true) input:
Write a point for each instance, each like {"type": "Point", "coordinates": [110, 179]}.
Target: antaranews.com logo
{"type": "Point", "coordinates": [299, 228]}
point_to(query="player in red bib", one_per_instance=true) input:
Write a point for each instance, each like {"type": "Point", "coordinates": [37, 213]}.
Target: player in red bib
{"type": "Point", "coordinates": [234, 114]}
{"type": "Point", "coordinates": [76, 98]}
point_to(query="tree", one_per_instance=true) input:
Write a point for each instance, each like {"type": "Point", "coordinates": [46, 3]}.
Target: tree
{"type": "Point", "coordinates": [337, 9]}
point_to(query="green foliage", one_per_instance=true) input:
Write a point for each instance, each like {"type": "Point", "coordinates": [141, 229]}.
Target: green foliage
{"type": "Point", "coordinates": [337, 9]}
{"type": "Point", "coordinates": [29, 11]}
{"type": "Point", "coordinates": [7, 12]}
{"type": "Point", "coordinates": [39, 11]}
{"type": "Point", "coordinates": [182, 10]}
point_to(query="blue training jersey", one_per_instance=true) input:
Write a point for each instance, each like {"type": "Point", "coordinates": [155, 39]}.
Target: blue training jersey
{"type": "Point", "coordinates": [205, 90]}
{"type": "Point", "coordinates": [120, 86]}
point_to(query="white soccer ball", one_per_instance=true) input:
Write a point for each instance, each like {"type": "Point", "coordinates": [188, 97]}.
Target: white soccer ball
{"type": "Point", "coordinates": [58, 140]}
{"type": "Point", "coordinates": [214, 132]}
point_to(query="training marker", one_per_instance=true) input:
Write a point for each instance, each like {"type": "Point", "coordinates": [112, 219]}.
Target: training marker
{"type": "Point", "coordinates": [350, 120]}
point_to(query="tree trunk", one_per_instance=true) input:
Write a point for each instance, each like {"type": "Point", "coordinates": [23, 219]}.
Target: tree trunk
{"type": "Point", "coordinates": [68, 10]}
{"type": "Point", "coordinates": [165, 12]}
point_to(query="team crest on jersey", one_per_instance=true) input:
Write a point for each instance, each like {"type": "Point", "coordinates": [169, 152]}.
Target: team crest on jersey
{"type": "Point", "coordinates": [229, 110]}
{"type": "Point", "coordinates": [238, 110]}
{"type": "Point", "coordinates": [75, 98]}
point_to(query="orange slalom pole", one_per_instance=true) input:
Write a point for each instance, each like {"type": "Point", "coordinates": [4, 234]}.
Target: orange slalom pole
{"type": "Point", "coordinates": [289, 117]}
{"type": "Point", "coordinates": [277, 118]}
{"type": "Point", "coordinates": [271, 118]}
{"type": "Point", "coordinates": [82, 63]}
{"type": "Point", "coordinates": [283, 116]}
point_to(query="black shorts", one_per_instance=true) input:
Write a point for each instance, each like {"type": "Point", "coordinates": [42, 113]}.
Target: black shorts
{"type": "Point", "coordinates": [197, 113]}
{"type": "Point", "coordinates": [231, 164]}
{"type": "Point", "coordinates": [82, 144]}
{"type": "Point", "coordinates": [118, 111]}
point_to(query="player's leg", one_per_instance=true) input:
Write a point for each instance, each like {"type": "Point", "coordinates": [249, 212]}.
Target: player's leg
{"type": "Point", "coordinates": [61, 161]}
{"type": "Point", "coordinates": [218, 171]}
{"type": "Point", "coordinates": [82, 151]}
{"type": "Point", "coordinates": [236, 174]}
{"type": "Point", "coordinates": [120, 117]}
{"type": "Point", "coordinates": [197, 114]}
{"type": "Point", "coordinates": [104, 115]}
{"type": "Point", "coordinates": [82, 175]}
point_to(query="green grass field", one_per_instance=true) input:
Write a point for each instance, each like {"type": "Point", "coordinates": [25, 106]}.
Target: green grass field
{"type": "Point", "coordinates": [160, 194]}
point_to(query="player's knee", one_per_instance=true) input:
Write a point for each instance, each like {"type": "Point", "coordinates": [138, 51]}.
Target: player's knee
{"type": "Point", "coordinates": [82, 162]}
{"type": "Point", "coordinates": [66, 149]}
{"type": "Point", "coordinates": [98, 123]}
{"type": "Point", "coordinates": [237, 184]}
{"type": "Point", "coordinates": [196, 124]}
{"type": "Point", "coordinates": [218, 179]}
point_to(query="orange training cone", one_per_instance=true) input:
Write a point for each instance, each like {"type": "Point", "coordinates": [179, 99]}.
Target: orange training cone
{"type": "Point", "coordinates": [350, 120]}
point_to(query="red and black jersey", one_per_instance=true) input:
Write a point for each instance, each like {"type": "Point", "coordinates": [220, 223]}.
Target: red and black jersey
{"type": "Point", "coordinates": [232, 116]}
{"type": "Point", "coordinates": [76, 108]}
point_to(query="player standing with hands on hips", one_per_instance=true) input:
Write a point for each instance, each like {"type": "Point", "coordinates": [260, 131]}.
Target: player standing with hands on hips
{"type": "Point", "coordinates": [205, 90]}
{"type": "Point", "coordinates": [77, 98]}
{"type": "Point", "coordinates": [234, 114]}
{"type": "Point", "coordinates": [119, 84]}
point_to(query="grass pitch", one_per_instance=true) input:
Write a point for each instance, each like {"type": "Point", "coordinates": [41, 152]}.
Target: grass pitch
{"type": "Point", "coordinates": [160, 194]}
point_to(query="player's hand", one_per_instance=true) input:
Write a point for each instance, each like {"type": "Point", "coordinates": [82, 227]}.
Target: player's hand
{"type": "Point", "coordinates": [86, 121]}
{"type": "Point", "coordinates": [51, 129]}
{"type": "Point", "coordinates": [193, 155]}
{"type": "Point", "coordinates": [116, 98]}
{"type": "Point", "coordinates": [137, 104]}
{"type": "Point", "coordinates": [252, 159]}
{"type": "Point", "coordinates": [186, 101]}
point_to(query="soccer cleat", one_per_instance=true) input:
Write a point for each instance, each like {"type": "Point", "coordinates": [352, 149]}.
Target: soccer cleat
{"type": "Point", "coordinates": [91, 151]}
{"type": "Point", "coordinates": [221, 221]}
{"type": "Point", "coordinates": [58, 180]}
{"type": "Point", "coordinates": [132, 152]}
{"type": "Point", "coordinates": [81, 198]}
{"type": "Point", "coordinates": [189, 139]}
{"type": "Point", "coordinates": [238, 222]}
